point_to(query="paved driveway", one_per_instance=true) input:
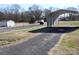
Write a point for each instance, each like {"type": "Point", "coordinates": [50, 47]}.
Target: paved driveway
{"type": "Point", "coordinates": [39, 45]}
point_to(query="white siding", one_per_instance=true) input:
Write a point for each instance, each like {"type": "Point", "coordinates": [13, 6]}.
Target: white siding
{"type": "Point", "coordinates": [8, 23]}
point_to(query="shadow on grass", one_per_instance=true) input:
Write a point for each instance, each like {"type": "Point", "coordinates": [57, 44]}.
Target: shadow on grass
{"type": "Point", "coordinates": [55, 30]}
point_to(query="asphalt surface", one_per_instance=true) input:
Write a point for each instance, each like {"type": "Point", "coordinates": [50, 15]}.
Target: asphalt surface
{"type": "Point", "coordinates": [39, 45]}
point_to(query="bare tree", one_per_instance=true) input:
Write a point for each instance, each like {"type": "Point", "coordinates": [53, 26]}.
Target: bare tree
{"type": "Point", "coordinates": [46, 12]}
{"type": "Point", "coordinates": [15, 9]}
{"type": "Point", "coordinates": [35, 12]}
{"type": "Point", "coordinates": [71, 16]}
{"type": "Point", "coordinates": [1, 15]}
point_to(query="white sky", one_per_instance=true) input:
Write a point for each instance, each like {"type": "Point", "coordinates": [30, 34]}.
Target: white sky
{"type": "Point", "coordinates": [39, 2]}
{"type": "Point", "coordinates": [42, 3]}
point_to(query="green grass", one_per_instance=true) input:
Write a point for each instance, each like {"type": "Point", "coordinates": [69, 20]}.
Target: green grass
{"type": "Point", "coordinates": [68, 23]}
{"type": "Point", "coordinates": [69, 44]}
{"type": "Point", "coordinates": [25, 30]}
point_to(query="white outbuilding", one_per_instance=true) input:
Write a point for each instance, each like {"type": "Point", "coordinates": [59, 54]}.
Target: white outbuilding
{"type": "Point", "coordinates": [7, 23]}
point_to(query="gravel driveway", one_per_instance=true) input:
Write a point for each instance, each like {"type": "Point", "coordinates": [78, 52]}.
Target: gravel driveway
{"type": "Point", "coordinates": [18, 26]}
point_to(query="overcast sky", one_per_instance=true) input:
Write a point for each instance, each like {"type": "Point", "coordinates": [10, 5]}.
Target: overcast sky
{"type": "Point", "coordinates": [42, 3]}
{"type": "Point", "coordinates": [39, 1]}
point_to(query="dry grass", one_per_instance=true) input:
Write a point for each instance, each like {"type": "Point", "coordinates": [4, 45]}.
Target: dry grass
{"type": "Point", "coordinates": [69, 44]}
{"type": "Point", "coordinates": [17, 35]}
{"type": "Point", "coordinates": [9, 38]}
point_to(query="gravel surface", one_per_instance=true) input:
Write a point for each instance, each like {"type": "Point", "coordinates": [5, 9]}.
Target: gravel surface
{"type": "Point", "coordinates": [18, 26]}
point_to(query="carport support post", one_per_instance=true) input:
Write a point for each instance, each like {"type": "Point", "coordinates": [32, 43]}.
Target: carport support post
{"type": "Point", "coordinates": [49, 21]}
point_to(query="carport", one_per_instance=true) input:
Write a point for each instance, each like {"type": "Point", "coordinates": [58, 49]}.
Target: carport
{"type": "Point", "coordinates": [52, 17]}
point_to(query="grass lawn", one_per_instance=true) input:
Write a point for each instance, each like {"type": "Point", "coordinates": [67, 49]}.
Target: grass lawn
{"type": "Point", "coordinates": [69, 44]}
{"type": "Point", "coordinates": [17, 35]}
{"type": "Point", "coordinates": [68, 23]}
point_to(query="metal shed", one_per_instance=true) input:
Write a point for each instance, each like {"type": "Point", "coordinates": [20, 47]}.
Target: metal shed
{"type": "Point", "coordinates": [7, 23]}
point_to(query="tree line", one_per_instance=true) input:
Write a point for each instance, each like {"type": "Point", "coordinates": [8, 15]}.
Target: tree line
{"type": "Point", "coordinates": [15, 13]}
{"type": "Point", "coordinates": [34, 13]}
